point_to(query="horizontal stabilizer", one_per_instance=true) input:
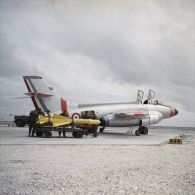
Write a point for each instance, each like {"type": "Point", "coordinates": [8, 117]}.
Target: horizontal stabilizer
{"type": "Point", "coordinates": [23, 97]}
{"type": "Point", "coordinates": [32, 77]}
{"type": "Point", "coordinates": [36, 94]}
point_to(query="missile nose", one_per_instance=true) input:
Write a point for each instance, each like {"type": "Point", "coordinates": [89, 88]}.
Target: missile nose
{"type": "Point", "coordinates": [176, 111]}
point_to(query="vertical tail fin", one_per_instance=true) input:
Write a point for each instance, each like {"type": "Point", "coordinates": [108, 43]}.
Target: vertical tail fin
{"type": "Point", "coordinates": [43, 96]}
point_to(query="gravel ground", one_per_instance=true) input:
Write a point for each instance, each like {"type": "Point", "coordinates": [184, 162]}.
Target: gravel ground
{"type": "Point", "coordinates": [93, 169]}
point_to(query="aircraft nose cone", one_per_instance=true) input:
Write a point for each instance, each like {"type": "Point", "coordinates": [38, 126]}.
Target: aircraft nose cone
{"type": "Point", "coordinates": [176, 111]}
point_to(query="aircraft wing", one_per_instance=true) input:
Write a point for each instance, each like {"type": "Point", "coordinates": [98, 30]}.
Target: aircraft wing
{"type": "Point", "coordinates": [105, 104]}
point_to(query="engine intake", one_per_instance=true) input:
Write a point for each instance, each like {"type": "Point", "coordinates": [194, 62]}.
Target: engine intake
{"type": "Point", "coordinates": [150, 120]}
{"type": "Point", "coordinates": [113, 120]}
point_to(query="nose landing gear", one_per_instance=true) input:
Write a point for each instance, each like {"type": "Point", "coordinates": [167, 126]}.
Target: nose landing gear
{"type": "Point", "coordinates": [137, 132]}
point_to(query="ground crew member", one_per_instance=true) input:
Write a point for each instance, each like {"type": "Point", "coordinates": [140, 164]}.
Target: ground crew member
{"type": "Point", "coordinates": [94, 127]}
{"type": "Point", "coordinates": [84, 114]}
{"type": "Point", "coordinates": [90, 128]}
{"type": "Point", "coordinates": [32, 122]}
{"type": "Point", "coordinates": [64, 134]}
{"type": "Point", "coordinates": [48, 115]}
{"type": "Point", "coordinates": [40, 112]}
{"type": "Point", "coordinates": [65, 113]}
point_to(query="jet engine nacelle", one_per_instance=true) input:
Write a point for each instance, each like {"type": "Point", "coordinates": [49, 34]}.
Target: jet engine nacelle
{"type": "Point", "coordinates": [151, 120]}
{"type": "Point", "coordinates": [122, 120]}
{"type": "Point", "coordinates": [117, 120]}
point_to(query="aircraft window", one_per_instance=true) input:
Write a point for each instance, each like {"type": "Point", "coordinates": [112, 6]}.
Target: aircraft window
{"type": "Point", "coordinates": [156, 102]}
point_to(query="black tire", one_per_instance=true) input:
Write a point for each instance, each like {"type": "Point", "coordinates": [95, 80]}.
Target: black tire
{"type": "Point", "coordinates": [79, 134]}
{"type": "Point", "coordinates": [141, 129]}
{"type": "Point", "coordinates": [145, 130]}
{"type": "Point", "coordinates": [20, 123]}
{"type": "Point", "coordinates": [39, 133]}
{"type": "Point", "coordinates": [48, 134]}
{"type": "Point", "coordinates": [74, 134]}
{"type": "Point", "coordinates": [137, 133]}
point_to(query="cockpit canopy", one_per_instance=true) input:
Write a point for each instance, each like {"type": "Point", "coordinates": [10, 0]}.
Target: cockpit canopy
{"type": "Point", "coordinates": [140, 95]}
{"type": "Point", "coordinates": [156, 102]}
{"type": "Point", "coordinates": [149, 100]}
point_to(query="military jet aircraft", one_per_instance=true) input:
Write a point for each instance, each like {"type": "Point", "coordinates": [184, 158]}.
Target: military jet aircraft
{"type": "Point", "coordinates": [124, 114]}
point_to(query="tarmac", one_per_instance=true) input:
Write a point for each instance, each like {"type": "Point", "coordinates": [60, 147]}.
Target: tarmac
{"type": "Point", "coordinates": [111, 136]}
{"type": "Point", "coordinates": [116, 162]}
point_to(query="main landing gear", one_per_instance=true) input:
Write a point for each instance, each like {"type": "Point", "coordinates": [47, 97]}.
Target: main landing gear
{"type": "Point", "coordinates": [141, 130]}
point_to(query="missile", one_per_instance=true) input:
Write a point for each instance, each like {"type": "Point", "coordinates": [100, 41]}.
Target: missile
{"type": "Point", "coordinates": [58, 120]}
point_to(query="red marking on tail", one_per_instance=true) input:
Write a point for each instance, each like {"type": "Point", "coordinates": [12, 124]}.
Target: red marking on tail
{"type": "Point", "coordinates": [64, 107]}
{"type": "Point", "coordinates": [33, 99]}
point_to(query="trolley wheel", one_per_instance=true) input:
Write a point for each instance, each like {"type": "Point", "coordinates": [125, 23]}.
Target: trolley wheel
{"type": "Point", "coordinates": [137, 133]}
{"type": "Point", "coordinates": [39, 133]}
{"type": "Point", "coordinates": [74, 134]}
{"type": "Point", "coordinates": [79, 134]}
{"type": "Point", "coordinates": [48, 134]}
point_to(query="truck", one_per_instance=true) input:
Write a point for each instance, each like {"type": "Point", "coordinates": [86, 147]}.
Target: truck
{"type": "Point", "coordinates": [21, 120]}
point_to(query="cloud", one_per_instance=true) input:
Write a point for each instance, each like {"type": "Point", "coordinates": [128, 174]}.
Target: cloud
{"type": "Point", "coordinates": [100, 51]}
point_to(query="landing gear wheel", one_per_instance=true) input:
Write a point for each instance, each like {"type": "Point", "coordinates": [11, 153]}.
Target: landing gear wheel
{"type": "Point", "coordinates": [137, 133]}
{"type": "Point", "coordinates": [101, 129]}
{"type": "Point", "coordinates": [48, 134]}
{"type": "Point", "coordinates": [141, 128]}
{"type": "Point", "coordinates": [145, 130]}
{"type": "Point", "coordinates": [39, 133]}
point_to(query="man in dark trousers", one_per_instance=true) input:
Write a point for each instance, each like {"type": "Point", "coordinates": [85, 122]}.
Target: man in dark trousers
{"type": "Point", "coordinates": [32, 122]}
{"type": "Point", "coordinates": [40, 112]}
{"type": "Point", "coordinates": [33, 119]}
{"type": "Point", "coordinates": [91, 128]}
{"type": "Point", "coordinates": [65, 113]}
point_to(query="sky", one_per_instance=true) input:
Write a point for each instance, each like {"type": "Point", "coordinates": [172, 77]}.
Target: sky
{"type": "Point", "coordinates": [100, 51]}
